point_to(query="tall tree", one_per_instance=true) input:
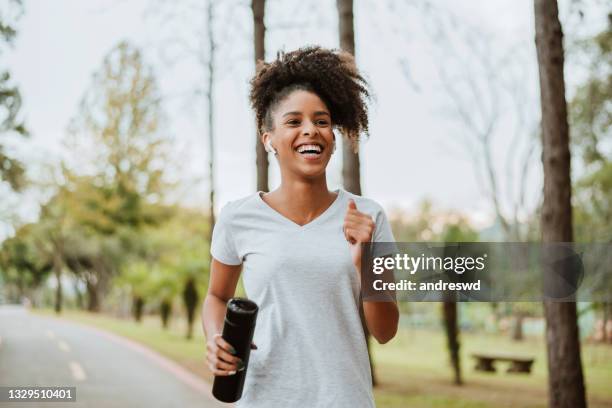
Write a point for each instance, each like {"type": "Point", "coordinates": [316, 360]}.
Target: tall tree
{"type": "Point", "coordinates": [121, 115]}
{"type": "Point", "coordinates": [210, 68]}
{"type": "Point", "coordinates": [565, 378]}
{"type": "Point", "coordinates": [22, 266]}
{"type": "Point", "coordinates": [259, 42]}
{"type": "Point", "coordinates": [11, 170]}
{"type": "Point", "coordinates": [351, 177]}
{"type": "Point", "coordinates": [590, 124]}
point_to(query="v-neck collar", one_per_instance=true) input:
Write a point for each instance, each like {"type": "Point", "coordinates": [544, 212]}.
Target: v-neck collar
{"type": "Point", "coordinates": [321, 217]}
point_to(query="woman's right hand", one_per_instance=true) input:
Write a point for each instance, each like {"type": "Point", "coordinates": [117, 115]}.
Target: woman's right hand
{"type": "Point", "coordinates": [221, 357]}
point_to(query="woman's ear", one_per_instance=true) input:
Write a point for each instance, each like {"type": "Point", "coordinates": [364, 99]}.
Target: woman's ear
{"type": "Point", "coordinates": [265, 138]}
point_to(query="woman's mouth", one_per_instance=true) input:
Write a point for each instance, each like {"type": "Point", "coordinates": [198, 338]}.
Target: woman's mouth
{"type": "Point", "coordinates": [310, 151]}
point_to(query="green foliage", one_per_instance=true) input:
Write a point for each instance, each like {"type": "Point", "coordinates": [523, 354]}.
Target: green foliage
{"type": "Point", "coordinates": [120, 114]}
{"type": "Point", "coordinates": [22, 262]}
{"type": "Point", "coordinates": [167, 256]}
{"type": "Point", "coordinates": [11, 170]}
{"type": "Point", "coordinates": [591, 107]}
{"type": "Point", "coordinates": [432, 225]}
{"type": "Point", "coordinates": [591, 121]}
{"type": "Point", "coordinates": [107, 215]}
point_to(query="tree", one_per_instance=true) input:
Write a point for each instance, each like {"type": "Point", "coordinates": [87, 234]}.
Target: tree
{"type": "Point", "coordinates": [565, 377]}
{"type": "Point", "coordinates": [11, 170]}
{"type": "Point", "coordinates": [590, 121]}
{"type": "Point", "coordinates": [80, 231]}
{"type": "Point", "coordinates": [350, 154]}
{"type": "Point", "coordinates": [22, 264]}
{"type": "Point", "coordinates": [259, 42]}
{"type": "Point", "coordinates": [351, 177]}
{"type": "Point", "coordinates": [436, 226]}
{"type": "Point", "coordinates": [210, 67]}
{"type": "Point", "coordinates": [123, 187]}
{"type": "Point", "coordinates": [456, 231]}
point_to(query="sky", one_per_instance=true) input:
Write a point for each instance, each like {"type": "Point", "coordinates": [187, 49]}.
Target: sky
{"type": "Point", "coordinates": [418, 148]}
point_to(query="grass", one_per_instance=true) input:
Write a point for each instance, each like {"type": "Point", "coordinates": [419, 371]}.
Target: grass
{"type": "Point", "coordinates": [412, 369]}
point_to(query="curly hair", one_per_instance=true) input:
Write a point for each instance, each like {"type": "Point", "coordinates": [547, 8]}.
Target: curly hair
{"type": "Point", "coordinates": [331, 74]}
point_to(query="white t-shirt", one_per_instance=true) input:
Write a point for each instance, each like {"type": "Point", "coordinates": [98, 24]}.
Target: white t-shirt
{"type": "Point", "coordinates": [311, 347]}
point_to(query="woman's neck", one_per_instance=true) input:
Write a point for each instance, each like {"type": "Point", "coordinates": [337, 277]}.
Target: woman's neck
{"type": "Point", "coordinates": [302, 201]}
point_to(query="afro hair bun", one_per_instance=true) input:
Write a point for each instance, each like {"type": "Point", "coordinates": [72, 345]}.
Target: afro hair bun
{"type": "Point", "coordinates": [331, 74]}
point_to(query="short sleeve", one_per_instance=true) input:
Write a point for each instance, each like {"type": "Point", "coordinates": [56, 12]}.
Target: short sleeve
{"type": "Point", "coordinates": [223, 246]}
{"type": "Point", "coordinates": [383, 233]}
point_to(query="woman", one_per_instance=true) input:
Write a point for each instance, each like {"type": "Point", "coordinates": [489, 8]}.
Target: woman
{"type": "Point", "coordinates": [300, 247]}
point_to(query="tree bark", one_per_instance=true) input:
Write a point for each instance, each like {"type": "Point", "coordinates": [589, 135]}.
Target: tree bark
{"type": "Point", "coordinates": [517, 330]}
{"type": "Point", "coordinates": [451, 327]}
{"type": "Point", "coordinates": [79, 295]}
{"type": "Point", "coordinates": [57, 268]}
{"type": "Point", "coordinates": [259, 42]}
{"type": "Point", "coordinates": [165, 309]}
{"type": "Point", "coordinates": [93, 300]}
{"type": "Point", "coordinates": [210, 105]}
{"type": "Point", "coordinates": [565, 377]}
{"type": "Point", "coordinates": [191, 298]}
{"type": "Point", "coordinates": [604, 335]}
{"type": "Point", "coordinates": [351, 176]}
{"type": "Point", "coordinates": [138, 306]}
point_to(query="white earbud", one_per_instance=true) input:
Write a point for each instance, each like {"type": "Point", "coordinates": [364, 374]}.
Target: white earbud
{"type": "Point", "coordinates": [270, 148]}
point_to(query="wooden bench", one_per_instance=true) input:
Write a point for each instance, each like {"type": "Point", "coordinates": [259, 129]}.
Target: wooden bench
{"type": "Point", "coordinates": [518, 364]}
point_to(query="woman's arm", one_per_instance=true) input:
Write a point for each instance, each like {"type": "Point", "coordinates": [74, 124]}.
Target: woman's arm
{"type": "Point", "coordinates": [221, 287]}
{"type": "Point", "coordinates": [382, 319]}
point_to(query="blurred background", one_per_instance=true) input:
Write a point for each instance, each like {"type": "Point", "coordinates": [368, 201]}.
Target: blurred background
{"type": "Point", "coordinates": [125, 127]}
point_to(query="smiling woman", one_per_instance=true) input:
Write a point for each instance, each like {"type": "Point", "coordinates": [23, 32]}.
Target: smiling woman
{"type": "Point", "coordinates": [300, 246]}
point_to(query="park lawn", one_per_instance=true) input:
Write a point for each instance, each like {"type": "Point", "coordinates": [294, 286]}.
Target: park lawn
{"type": "Point", "coordinates": [414, 372]}
{"type": "Point", "coordinates": [412, 369]}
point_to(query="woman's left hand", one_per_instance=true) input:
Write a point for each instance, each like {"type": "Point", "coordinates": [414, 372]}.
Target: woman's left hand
{"type": "Point", "coordinates": [358, 228]}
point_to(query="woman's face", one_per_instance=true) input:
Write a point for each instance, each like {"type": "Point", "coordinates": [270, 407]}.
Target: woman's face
{"type": "Point", "coordinates": [302, 134]}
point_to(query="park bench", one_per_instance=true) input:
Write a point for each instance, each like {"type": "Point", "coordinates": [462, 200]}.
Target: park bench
{"type": "Point", "coordinates": [518, 364]}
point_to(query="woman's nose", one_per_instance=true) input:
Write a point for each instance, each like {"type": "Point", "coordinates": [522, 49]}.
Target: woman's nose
{"type": "Point", "coordinates": [309, 129]}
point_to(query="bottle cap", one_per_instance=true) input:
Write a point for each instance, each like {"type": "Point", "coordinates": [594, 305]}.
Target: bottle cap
{"type": "Point", "coordinates": [241, 311]}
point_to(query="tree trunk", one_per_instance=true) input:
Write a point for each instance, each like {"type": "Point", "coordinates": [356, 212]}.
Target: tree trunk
{"type": "Point", "coordinates": [57, 269]}
{"type": "Point", "coordinates": [604, 335]}
{"type": "Point", "coordinates": [138, 305]}
{"type": "Point", "coordinates": [565, 378]}
{"type": "Point", "coordinates": [351, 177]}
{"type": "Point", "coordinates": [517, 330]}
{"type": "Point", "coordinates": [190, 297]}
{"type": "Point", "coordinates": [451, 329]}
{"type": "Point", "coordinates": [79, 295]}
{"type": "Point", "coordinates": [210, 105]}
{"type": "Point", "coordinates": [93, 300]}
{"type": "Point", "coordinates": [165, 309]}
{"type": "Point", "coordinates": [259, 37]}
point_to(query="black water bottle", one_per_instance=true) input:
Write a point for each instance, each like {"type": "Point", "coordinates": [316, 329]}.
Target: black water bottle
{"type": "Point", "coordinates": [237, 331]}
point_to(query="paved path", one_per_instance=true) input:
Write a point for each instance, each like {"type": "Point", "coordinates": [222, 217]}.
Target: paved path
{"type": "Point", "coordinates": [107, 371]}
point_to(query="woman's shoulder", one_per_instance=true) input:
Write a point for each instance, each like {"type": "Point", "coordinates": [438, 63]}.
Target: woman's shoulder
{"type": "Point", "coordinates": [364, 204]}
{"type": "Point", "coordinates": [233, 207]}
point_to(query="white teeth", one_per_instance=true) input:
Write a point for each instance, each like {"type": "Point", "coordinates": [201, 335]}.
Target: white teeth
{"type": "Point", "coordinates": [303, 148]}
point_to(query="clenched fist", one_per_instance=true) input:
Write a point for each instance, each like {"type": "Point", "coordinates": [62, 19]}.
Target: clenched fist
{"type": "Point", "coordinates": [358, 228]}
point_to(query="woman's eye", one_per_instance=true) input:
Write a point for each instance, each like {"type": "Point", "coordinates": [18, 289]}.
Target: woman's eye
{"type": "Point", "coordinates": [322, 123]}
{"type": "Point", "coordinates": [293, 122]}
